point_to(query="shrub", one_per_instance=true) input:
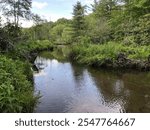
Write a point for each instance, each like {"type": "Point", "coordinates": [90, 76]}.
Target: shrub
{"type": "Point", "coordinates": [16, 91]}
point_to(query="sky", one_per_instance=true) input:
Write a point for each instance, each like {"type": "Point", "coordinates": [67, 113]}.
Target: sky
{"type": "Point", "coordinates": [52, 10]}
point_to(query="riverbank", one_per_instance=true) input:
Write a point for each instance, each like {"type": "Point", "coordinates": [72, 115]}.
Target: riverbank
{"type": "Point", "coordinates": [112, 55]}
{"type": "Point", "coordinates": [16, 86]}
{"type": "Point", "coordinates": [16, 77]}
{"type": "Point", "coordinates": [31, 49]}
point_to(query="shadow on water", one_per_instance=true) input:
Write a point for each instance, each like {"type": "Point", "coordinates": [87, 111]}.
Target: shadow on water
{"type": "Point", "coordinates": [67, 87]}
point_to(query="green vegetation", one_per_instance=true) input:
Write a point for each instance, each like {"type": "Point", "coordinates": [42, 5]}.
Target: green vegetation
{"type": "Point", "coordinates": [78, 23]}
{"type": "Point", "coordinates": [115, 34]}
{"type": "Point", "coordinates": [32, 46]}
{"type": "Point", "coordinates": [16, 91]}
{"type": "Point", "coordinates": [61, 53]}
{"type": "Point", "coordinates": [16, 78]}
{"type": "Point", "coordinates": [112, 55]}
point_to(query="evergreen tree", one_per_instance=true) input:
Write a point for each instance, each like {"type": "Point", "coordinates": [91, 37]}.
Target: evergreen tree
{"type": "Point", "coordinates": [104, 8]}
{"type": "Point", "coordinates": [79, 20]}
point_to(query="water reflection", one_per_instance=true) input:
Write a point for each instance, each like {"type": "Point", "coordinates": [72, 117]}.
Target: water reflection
{"type": "Point", "coordinates": [40, 63]}
{"type": "Point", "coordinates": [130, 90]}
{"type": "Point", "coordinates": [67, 87]}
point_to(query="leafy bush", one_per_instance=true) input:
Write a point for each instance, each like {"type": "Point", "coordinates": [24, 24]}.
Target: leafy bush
{"type": "Point", "coordinates": [16, 91]}
{"type": "Point", "coordinates": [34, 45]}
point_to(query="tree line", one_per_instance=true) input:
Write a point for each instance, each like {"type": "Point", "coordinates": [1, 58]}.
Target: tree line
{"type": "Point", "coordinates": [111, 20]}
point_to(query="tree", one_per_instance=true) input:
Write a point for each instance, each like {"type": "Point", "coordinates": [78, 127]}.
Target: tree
{"type": "Point", "coordinates": [67, 35]}
{"type": "Point", "coordinates": [103, 8]}
{"type": "Point", "coordinates": [132, 22]}
{"type": "Point", "coordinates": [16, 9]}
{"type": "Point", "coordinates": [62, 21]}
{"type": "Point", "coordinates": [79, 20]}
{"type": "Point", "coordinates": [56, 33]}
{"type": "Point", "coordinates": [39, 31]}
{"type": "Point", "coordinates": [98, 29]}
{"type": "Point", "coordinates": [38, 20]}
{"type": "Point", "coordinates": [5, 39]}
{"type": "Point", "coordinates": [95, 5]}
{"type": "Point", "coordinates": [98, 23]}
{"type": "Point", "coordinates": [13, 11]}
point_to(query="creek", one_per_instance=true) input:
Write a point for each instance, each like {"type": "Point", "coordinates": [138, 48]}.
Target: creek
{"type": "Point", "coordinates": [67, 87]}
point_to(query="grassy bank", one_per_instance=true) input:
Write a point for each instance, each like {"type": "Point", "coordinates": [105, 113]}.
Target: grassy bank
{"type": "Point", "coordinates": [30, 49]}
{"type": "Point", "coordinates": [16, 86]}
{"type": "Point", "coordinates": [112, 54]}
{"type": "Point", "coordinates": [16, 77]}
{"type": "Point", "coordinates": [34, 46]}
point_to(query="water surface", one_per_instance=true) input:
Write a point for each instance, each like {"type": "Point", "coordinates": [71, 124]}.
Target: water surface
{"type": "Point", "coordinates": [67, 87]}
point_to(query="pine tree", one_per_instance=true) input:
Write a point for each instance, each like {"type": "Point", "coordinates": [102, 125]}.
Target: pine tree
{"type": "Point", "coordinates": [79, 20]}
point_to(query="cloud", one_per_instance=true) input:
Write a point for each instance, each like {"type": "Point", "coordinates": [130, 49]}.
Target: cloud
{"type": "Point", "coordinates": [26, 24]}
{"type": "Point", "coordinates": [88, 2]}
{"type": "Point", "coordinates": [39, 5]}
{"type": "Point", "coordinates": [58, 9]}
{"type": "Point", "coordinates": [53, 16]}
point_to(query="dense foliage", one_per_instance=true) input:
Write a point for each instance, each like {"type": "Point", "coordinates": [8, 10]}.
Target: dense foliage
{"type": "Point", "coordinates": [113, 55]}
{"type": "Point", "coordinates": [78, 25]}
{"type": "Point", "coordinates": [16, 79]}
{"type": "Point", "coordinates": [16, 91]}
{"type": "Point", "coordinates": [115, 34]}
{"type": "Point", "coordinates": [111, 20]}
{"type": "Point", "coordinates": [121, 30]}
